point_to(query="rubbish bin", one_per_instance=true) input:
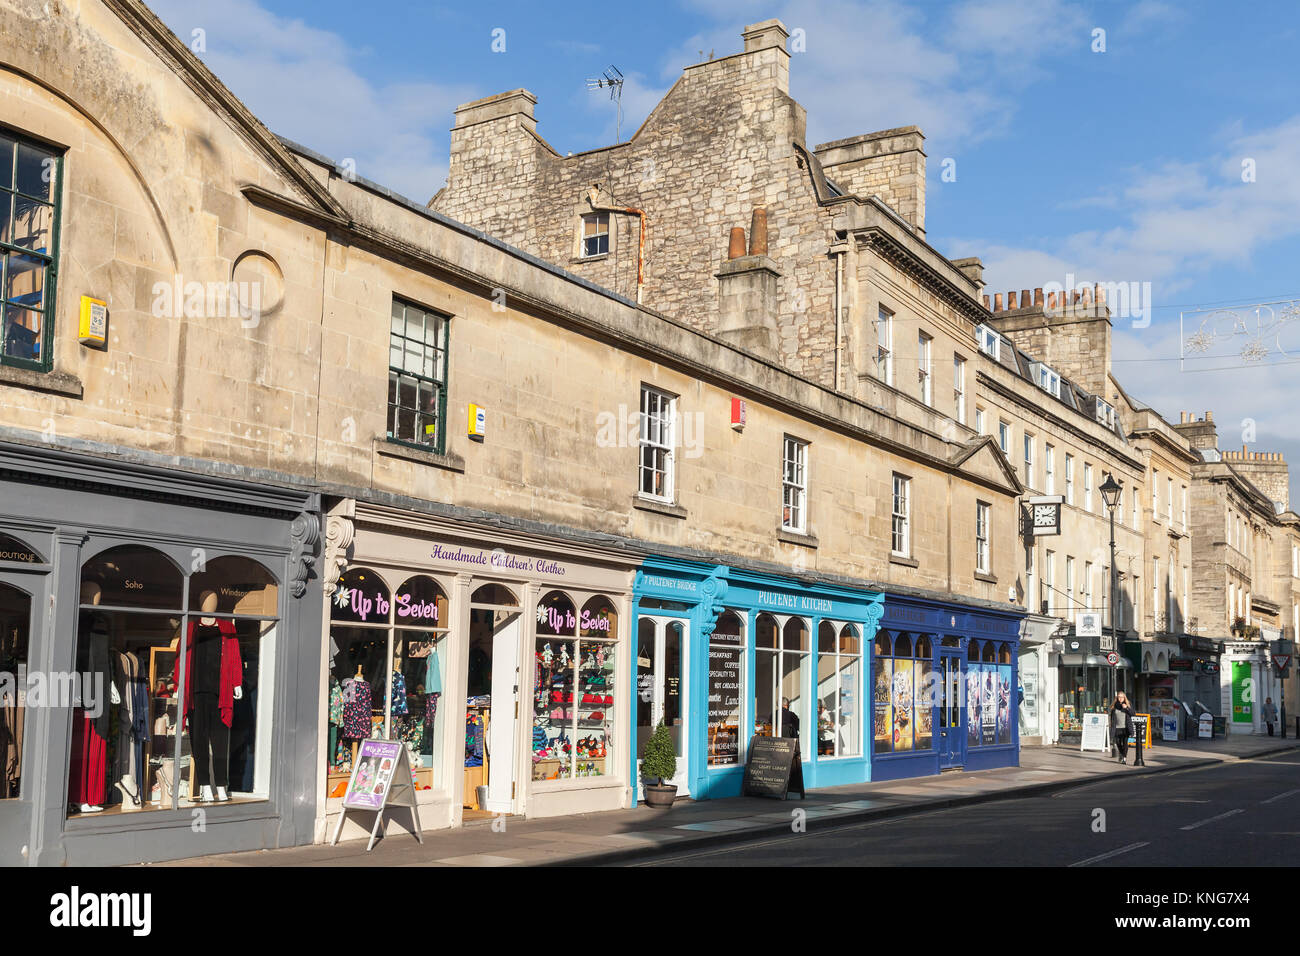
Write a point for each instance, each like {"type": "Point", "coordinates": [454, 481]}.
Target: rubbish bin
{"type": "Point", "coordinates": [481, 794]}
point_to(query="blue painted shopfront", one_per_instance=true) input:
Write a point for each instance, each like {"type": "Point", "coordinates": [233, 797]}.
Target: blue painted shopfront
{"type": "Point", "coordinates": [718, 649]}
{"type": "Point", "coordinates": [943, 689]}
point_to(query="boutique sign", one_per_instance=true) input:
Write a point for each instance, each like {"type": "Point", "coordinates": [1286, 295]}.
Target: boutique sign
{"type": "Point", "coordinates": [362, 597]}
{"type": "Point", "coordinates": [497, 560]}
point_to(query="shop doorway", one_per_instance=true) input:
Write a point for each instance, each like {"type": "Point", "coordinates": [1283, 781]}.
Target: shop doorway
{"type": "Point", "coordinates": [493, 695]}
{"type": "Point", "coordinates": [19, 606]}
{"type": "Point", "coordinates": [952, 713]}
{"type": "Point", "coordinates": [660, 661]}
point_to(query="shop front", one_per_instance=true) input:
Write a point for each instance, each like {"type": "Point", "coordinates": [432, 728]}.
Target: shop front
{"type": "Point", "coordinates": [1245, 682]}
{"type": "Point", "coordinates": [493, 657]}
{"type": "Point", "coordinates": [944, 688]}
{"type": "Point", "coordinates": [1087, 683]}
{"type": "Point", "coordinates": [1036, 715]}
{"type": "Point", "coordinates": [153, 622]}
{"type": "Point", "coordinates": [722, 654]}
{"type": "Point", "coordinates": [1196, 667]}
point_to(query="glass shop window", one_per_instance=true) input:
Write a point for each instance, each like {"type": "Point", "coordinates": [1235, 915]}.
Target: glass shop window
{"type": "Point", "coordinates": [726, 690]}
{"type": "Point", "coordinates": [574, 704]}
{"type": "Point", "coordinates": [172, 705]}
{"type": "Point", "coordinates": [990, 677]}
{"type": "Point", "coordinates": [15, 635]}
{"type": "Point", "coordinates": [839, 660]}
{"type": "Point", "coordinates": [781, 666]}
{"type": "Point", "coordinates": [904, 693]}
{"type": "Point", "coordinates": [387, 660]}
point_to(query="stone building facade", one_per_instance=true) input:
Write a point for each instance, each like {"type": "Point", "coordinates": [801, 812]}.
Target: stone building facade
{"type": "Point", "coordinates": [310, 380]}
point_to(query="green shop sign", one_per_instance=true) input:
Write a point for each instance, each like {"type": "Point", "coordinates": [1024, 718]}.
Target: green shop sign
{"type": "Point", "coordinates": [1243, 693]}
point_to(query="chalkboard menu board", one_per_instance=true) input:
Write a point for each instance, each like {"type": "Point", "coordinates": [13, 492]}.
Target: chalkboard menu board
{"type": "Point", "coordinates": [773, 768]}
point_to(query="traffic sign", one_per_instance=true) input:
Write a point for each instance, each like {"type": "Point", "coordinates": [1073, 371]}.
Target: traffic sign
{"type": "Point", "coordinates": [1112, 658]}
{"type": "Point", "coordinates": [1283, 661]}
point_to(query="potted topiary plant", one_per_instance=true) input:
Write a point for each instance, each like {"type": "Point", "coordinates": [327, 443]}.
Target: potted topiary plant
{"type": "Point", "coordinates": [659, 762]}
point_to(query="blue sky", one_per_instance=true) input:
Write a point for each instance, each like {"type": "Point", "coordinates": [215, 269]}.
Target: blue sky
{"type": "Point", "coordinates": [1117, 165]}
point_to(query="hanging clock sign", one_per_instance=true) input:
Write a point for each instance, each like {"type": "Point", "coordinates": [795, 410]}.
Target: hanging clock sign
{"type": "Point", "coordinates": [1043, 515]}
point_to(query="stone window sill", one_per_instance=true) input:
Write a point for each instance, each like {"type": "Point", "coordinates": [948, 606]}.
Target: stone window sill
{"type": "Point", "coordinates": [904, 560]}
{"type": "Point", "coordinates": [986, 578]}
{"type": "Point", "coordinates": [800, 538]}
{"type": "Point", "coordinates": [392, 449]}
{"type": "Point", "coordinates": [60, 383]}
{"type": "Point", "coordinates": [665, 508]}
{"type": "Point", "coordinates": [577, 260]}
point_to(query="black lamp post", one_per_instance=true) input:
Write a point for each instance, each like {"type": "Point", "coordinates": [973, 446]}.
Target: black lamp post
{"type": "Point", "coordinates": [1111, 492]}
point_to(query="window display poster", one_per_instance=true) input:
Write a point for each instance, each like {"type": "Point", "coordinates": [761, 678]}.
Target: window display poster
{"type": "Point", "coordinates": [923, 706]}
{"type": "Point", "coordinates": [1004, 703]}
{"type": "Point", "coordinates": [883, 671]}
{"type": "Point", "coordinates": [724, 706]}
{"type": "Point", "coordinates": [972, 703]}
{"type": "Point", "coordinates": [1094, 733]}
{"type": "Point", "coordinates": [989, 703]}
{"type": "Point", "coordinates": [1243, 697]}
{"type": "Point", "coordinates": [377, 762]}
{"type": "Point", "coordinates": [901, 688]}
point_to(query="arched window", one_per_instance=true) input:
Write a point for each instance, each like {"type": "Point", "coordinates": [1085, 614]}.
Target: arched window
{"type": "Point", "coordinates": [766, 632]}
{"type": "Point", "coordinates": [839, 677]}
{"type": "Point", "coordinates": [990, 654]}
{"type": "Point", "coordinates": [12, 549]}
{"type": "Point", "coordinates": [903, 646]}
{"type": "Point", "coordinates": [884, 647]}
{"type": "Point", "coordinates": [781, 666]}
{"type": "Point", "coordinates": [420, 602]}
{"type": "Point", "coordinates": [727, 680]}
{"type": "Point", "coordinates": [239, 585]}
{"type": "Point", "coordinates": [973, 651]}
{"type": "Point", "coordinates": [923, 651]}
{"type": "Point", "coordinates": [556, 615]}
{"type": "Point", "coordinates": [134, 576]}
{"type": "Point", "coordinates": [361, 597]}
{"type": "Point", "coordinates": [1004, 653]}
{"type": "Point", "coordinates": [598, 619]}
{"type": "Point", "coordinates": [497, 595]}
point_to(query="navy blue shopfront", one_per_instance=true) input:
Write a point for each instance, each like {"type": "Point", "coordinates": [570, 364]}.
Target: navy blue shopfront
{"type": "Point", "coordinates": [720, 651]}
{"type": "Point", "coordinates": [943, 689]}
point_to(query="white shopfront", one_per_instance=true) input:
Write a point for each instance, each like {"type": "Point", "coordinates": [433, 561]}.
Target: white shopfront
{"type": "Point", "coordinates": [493, 656]}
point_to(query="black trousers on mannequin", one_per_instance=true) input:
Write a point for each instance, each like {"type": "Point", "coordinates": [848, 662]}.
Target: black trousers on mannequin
{"type": "Point", "coordinates": [209, 735]}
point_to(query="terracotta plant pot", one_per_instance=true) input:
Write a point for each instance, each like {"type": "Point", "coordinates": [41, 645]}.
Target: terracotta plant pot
{"type": "Point", "coordinates": [660, 795]}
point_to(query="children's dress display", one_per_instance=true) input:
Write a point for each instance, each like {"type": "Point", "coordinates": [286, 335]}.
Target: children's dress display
{"type": "Point", "coordinates": [356, 708]}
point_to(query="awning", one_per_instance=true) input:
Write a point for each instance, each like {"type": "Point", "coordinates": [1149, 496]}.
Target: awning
{"type": "Point", "coordinates": [1090, 660]}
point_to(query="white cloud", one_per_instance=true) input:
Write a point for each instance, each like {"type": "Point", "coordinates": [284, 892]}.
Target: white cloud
{"type": "Point", "coordinates": [303, 83]}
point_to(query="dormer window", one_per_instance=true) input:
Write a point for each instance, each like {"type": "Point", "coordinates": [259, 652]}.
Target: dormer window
{"type": "Point", "coordinates": [1048, 380]}
{"type": "Point", "coordinates": [1105, 414]}
{"type": "Point", "coordinates": [990, 342]}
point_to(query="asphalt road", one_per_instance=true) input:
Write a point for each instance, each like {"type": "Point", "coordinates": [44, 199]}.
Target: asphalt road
{"type": "Point", "coordinates": [1244, 813]}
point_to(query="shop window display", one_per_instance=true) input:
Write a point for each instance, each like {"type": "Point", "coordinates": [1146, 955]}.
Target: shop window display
{"type": "Point", "coordinates": [575, 699]}
{"type": "Point", "coordinates": [726, 686]}
{"type": "Point", "coordinates": [904, 693]}
{"type": "Point", "coordinates": [149, 632]}
{"type": "Point", "coordinates": [989, 676]}
{"type": "Point", "coordinates": [15, 625]}
{"type": "Point", "coordinates": [780, 664]}
{"type": "Point", "coordinates": [386, 665]}
{"type": "Point", "coordinates": [839, 656]}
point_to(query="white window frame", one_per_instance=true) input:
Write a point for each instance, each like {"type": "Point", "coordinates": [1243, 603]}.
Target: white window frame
{"type": "Point", "coordinates": [1049, 469]}
{"type": "Point", "coordinates": [1136, 521]}
{"type": "Point", "coordinates": [794, 485]}
{"type": "Point", "coordinates": [959, 387]}
{"type": "Point", "coordinates": [1169, 505]}
{"type": "Point", "coordinates": [1048, 581]}
{"type": "Point", "coordinates": [1029, 460]}
{"type": "Point", "coordinates": [925, 368]}
{"type": "Point", "coordinates": [1087, 586]}
{"type": "Point", "coordinates": [1069, 478]}
{"type": "Point", "coordinates": [1155, 494]}
{"type": "Point", "coordinates": [1184, 522]}
{"type": "Point", "coordinates": [982, 549]}
{"type": "Point", "coordinates": [1004, 437]}
{"type": "Point", "coordinates": [979, 420]}
{"type": "Point", "coordinates": [989, 341]}
{"type": "Point", "coordinates": [900, 539]}
{"type": "Point", "coordinates": [596, 218]}
{"type": "Point", "coordinates": [885, 346]}
{"type": "Point", "coordinates": [1087, 487]}
{"type": "Point", "coordinates": [1155, 594]}
{"type": "Point", "coordinates": [657, 431]}
{"type": "Point", "coordinates": [1069, 583]}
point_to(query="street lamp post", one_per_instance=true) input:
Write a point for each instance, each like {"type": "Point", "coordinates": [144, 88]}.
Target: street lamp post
{"type": "Point", "coordinates": [1111, 491]}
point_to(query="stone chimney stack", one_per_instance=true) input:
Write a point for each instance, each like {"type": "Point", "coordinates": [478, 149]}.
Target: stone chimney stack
{"type": "Point", "coordinates": [747, 293]}
{"type": "Point", "coordinates": [889, 164]}
{"type": "Point", "coordinates": [1069, 330]}
{"type": "Point", "coordinates": [1201, 434]}
{"type": "Point", "coordinates": [1266, 470]}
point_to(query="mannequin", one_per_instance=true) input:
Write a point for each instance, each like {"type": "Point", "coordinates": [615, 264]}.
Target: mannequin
{"type": "Point", "coordinates": [214, 677]}
{"type": "Point", "coordinates": [88, 778]}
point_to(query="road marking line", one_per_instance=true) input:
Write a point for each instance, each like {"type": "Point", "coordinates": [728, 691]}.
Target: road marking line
{"type": "Point", "coordinates": [1107, 856]}
{"type": "Point", "coordinates": [1289, 793]}
{"type": "Point", "coordinates": [1221, 816]}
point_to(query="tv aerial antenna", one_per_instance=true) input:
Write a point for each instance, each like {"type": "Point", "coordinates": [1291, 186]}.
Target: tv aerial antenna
{"type": "Point", "coordinates": [612, 80]}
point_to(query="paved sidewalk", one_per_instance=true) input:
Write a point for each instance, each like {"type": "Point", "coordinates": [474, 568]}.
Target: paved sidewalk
{"type": "Point", "coordinates": [623, 835]}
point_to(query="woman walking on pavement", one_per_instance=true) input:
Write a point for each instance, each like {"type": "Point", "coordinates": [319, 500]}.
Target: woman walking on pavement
{"type": "Point", "coordinates": [1121, 721]}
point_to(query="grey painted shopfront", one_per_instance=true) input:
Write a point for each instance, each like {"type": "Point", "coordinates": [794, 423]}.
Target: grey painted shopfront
{"type": "Point", "coordinates": [97, 555]}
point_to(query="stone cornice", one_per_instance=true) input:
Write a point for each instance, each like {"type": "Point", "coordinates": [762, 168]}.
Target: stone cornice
{"type": "Point", "coordinates": [896, 253]}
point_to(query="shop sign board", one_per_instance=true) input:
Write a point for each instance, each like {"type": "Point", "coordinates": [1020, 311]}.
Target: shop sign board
{"type": "Point", "coordinates": [773, 768]}
{"type": "Point", "coordinates": [381, 777]}
{"type": "Point", "coordinates": [1243, 697]}
{"type": "Point", "coordinates": [1169, 725]}
{"type": "Point", "coordinates": [1094, 732]}
{"type": "Point", "coordinates": [1205, 727]}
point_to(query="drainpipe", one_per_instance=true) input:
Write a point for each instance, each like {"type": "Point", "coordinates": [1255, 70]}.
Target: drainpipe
{"type": "Point", "coordinates": [592, 195]}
